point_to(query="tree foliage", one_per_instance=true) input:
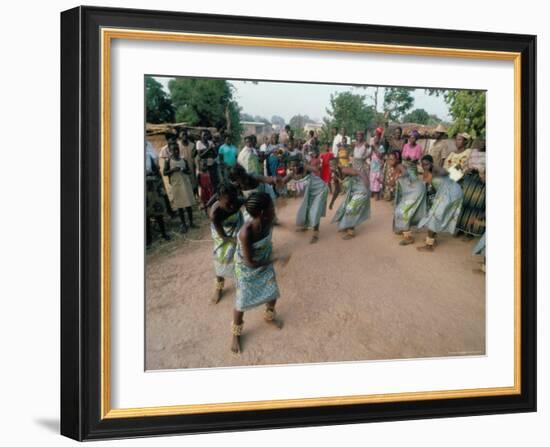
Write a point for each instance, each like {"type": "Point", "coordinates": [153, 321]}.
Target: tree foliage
{"type": "Point", "coordinates": [278, 120]}
{"type": "Point", "coordinates": [397, 102]}
{"type": "Point", "coordinates": [297, 122]}
{"type": "Point", "coordinates": [467, 107]}
{"type": "Point", "coordinates": [418, 116]}
{"type": "Point", "coordinates": [350, 111]}
{"type": "Point", "coordinates": [208, 103]}
{"type": "Point", "coordinates": [158, 106]}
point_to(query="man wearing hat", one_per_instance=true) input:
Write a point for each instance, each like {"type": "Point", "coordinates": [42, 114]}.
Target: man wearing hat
{"type": "Point", "coordinates": [439, 149]}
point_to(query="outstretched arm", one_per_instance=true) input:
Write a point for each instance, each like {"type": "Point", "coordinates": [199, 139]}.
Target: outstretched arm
{"type": "Point", "coordinates": [350, 171]}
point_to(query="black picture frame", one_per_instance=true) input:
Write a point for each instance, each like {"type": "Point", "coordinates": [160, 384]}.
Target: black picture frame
{"type": "Point", "coordinates": [81, 223]}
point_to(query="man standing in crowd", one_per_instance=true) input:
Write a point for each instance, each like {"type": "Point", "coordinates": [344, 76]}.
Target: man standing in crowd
{"type": "Point", "coordinates": [265, 144]}
{"type": "Point", "coordinates": [227, 156]}
{"type": "Point", "coordinates": [188, 153]}
{"type": "Point", "coordinates": [286, 135]}
{"type": "Point", "coordinates": [164, 156]}
{"type": "Point", "coordinates": [337, 140]}
{"type": "Point", "coordinates": [439, 149]}
{"type": "Point", "coordinates": [248, 159]}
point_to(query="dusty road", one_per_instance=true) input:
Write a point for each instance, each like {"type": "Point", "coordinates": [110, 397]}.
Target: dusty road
{"type": "Point", "coordinates": [363, 299]}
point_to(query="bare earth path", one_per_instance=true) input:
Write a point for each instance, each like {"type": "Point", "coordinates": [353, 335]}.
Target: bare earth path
{"type": "Point", "coordinates": [363, 299]}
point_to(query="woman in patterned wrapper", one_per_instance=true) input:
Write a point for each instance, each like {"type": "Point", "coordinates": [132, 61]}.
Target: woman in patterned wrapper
{"type": "Point", "coordinates": [391, 174]}
{"type": "Point", "coordinates": [355, 209]}
{"type": "Point", "coordinates": [442, 216]}
{"type": "Point", "coordinates": [227, 220]}
{"type": "Point", "coordinates": [256, 282]}
{"type": "Point", "coordinates": [314, 203]}
{"type": "Point", "coordinates": [409, 202]}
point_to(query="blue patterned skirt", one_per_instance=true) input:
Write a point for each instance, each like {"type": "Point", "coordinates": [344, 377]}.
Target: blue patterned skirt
{"type": "Point", "coordinates": [314, 204]}
{"type": "Point", "coordinates": [443, 215]}
{"type": "Point", "coordinates": [255, 286]}
{"type": "Point", "coordinates": [355, 209]}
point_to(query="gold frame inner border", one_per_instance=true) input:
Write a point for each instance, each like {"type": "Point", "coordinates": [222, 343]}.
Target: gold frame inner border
{"type": "Point", "coordinates": [107, 35]}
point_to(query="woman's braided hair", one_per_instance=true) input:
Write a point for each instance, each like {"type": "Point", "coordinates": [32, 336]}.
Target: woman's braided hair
{"type": "Point", "coordinates": [228, 189]}
{"type": "Point", "coordinates": [257, 202]}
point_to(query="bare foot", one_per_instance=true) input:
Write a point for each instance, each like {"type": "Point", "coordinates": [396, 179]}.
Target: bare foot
{"type": "Point", "coordinates": [236, 344]}
{"type": "Point", "coordinates": [301, 229]}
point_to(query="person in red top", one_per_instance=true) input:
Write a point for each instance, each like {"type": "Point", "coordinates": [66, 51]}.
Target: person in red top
{"type": "Point", "coordinates": [205, 184]}
{"type": "Point", "coordinates": [326, 156]}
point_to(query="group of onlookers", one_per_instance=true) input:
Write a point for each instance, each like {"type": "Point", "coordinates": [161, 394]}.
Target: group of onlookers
{"type": "Point", "coordinates": [186, 172]}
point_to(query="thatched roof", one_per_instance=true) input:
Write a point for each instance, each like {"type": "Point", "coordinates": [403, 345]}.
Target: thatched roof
{"type": "Point", "coordinates": [425, 131]}
{"type": "Point", "coordinates": [194, 131]}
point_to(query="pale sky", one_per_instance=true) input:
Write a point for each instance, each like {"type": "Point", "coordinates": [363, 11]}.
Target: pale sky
{"type": "Point", "coordinates": [287, 99]}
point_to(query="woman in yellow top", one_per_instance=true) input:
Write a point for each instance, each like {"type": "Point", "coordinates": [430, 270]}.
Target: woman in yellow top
{"type": "Point", "coordinates": [455, 163]}
{"type": "Point", "coordinates": [343, 153]}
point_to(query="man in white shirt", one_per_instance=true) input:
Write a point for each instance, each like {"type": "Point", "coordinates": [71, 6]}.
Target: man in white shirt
{"type": "Point", "coordinates": [337, 140]}
{"type": "Point", "coordinates": [263, 147]}
{"type": "Point", "coordinates": [248, 159]}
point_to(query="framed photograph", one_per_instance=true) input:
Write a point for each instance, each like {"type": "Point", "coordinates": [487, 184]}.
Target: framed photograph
{"type": "Point", "coordinates": [275, 223]}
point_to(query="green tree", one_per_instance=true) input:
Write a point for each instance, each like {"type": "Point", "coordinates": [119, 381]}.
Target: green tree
{"type": "Point", "coordinates": [467, 108]}
{"type": "Point", "coordinates": [468, 111]}
{"type": "Point", "coordinates": [397, 102]}
{"type": "Point", "coordinates": [158, 106]}
{"type": "Point", "coordinates": [208, 103]}
{"type": "Point", "coordinates": [418, 116]}
{"type": "Point", "coordinates": [278, 120]}
{"type": "Point", "coordinates": [297, 123]}
{"type": "Point", "coordinates": [350, 111]}
{"type": "Point", "coordinates": [246, 117]}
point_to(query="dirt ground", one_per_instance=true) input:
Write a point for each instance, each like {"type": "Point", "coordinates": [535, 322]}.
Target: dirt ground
{"type": "Point", "coordinates": [363, 299]}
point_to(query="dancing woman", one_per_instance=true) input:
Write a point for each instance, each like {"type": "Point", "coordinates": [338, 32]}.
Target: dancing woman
{"type": "Point", "coordinates": [227, 220]}
{"type": "Point", "coordinates": [254, 271]}
{"type": "Point", "coordinates": [355, 209]}
{"type": "Point", "coordinates": [443, 215]}
{"type": "Point", "coordinates": [410, 201]}
{"type": "Point", "coordinates": [314, 203]}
